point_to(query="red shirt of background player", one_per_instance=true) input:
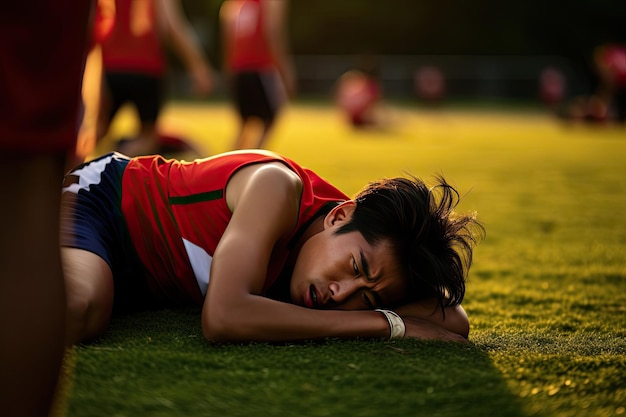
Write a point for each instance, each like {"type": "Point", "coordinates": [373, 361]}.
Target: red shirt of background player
{"type": "Point", "coordinates": [612, 58]}
{"type": "Point", "coordinates": [134, 43]}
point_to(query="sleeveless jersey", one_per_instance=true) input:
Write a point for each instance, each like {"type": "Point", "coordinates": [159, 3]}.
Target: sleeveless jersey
{"type": "Point", "coordinates": [176, 213]}
{"type": "Point", "coordinates": [248, 48]}
{"type": "Point", "coordinates": [134, 43]}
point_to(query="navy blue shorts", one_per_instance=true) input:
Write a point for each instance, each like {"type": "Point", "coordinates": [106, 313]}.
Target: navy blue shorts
{"type": "Point", "coordinates": [143, 91]}
{"type": "Point", "coordinates": [92, 220]}
{"type": "Point", "coordinates": [258, 94]}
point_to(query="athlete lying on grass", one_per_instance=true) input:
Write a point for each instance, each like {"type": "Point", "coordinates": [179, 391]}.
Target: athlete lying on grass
{"type": "Point", "coordinates": [269, 249]}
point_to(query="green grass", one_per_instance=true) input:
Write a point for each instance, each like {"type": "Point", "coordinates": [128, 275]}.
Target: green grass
{"type": "Point", "coordinates": [546, 295]}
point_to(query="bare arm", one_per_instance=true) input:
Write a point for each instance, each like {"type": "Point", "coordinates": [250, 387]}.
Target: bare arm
{"type": "Point", "coordinates": [265, 201]}
{"type": "Point", "coordinates": [276, 32]}
{"type": "Point", "coordinates": [180, 34]}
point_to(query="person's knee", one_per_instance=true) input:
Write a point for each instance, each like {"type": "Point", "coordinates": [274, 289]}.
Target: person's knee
{"type": "Point", "coordinates": [89, 294]}
{"type": "Point", "coordinates": [86, 318]}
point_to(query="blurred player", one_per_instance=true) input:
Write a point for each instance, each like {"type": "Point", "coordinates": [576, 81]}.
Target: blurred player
{"type": "Point", "coordinates": [257, 65]}
{"type": "Point", "coordinates": [607, 103]}
{"type": "Point", "coordinates": [552, 86]}
{"type": "Point", "coordinates": [430, 84]}
{"type": "Point", "coordinates": [358, 96]}
{"type": "Point", "coordinates": [92, 81]}
{"type": "Point", "coordinates": [134, 66]}
{"type": "Point", "coordinates": [42, 51]}
{"type": "Point", "coordinates": [610, 62]}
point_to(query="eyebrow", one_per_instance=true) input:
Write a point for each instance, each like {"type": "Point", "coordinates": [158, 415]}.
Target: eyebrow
{"type": "Point", "coordinates": [366, 270]}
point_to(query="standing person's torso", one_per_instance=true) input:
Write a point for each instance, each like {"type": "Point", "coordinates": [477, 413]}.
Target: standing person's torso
{"type": "Point", "coordinates": [42, 56]}
{"type": "Point", "coordinates": [248, 44]}
{"type": "Point", "coordinates": [179, 214]}
{"type": "Point", "coordinates": [135, 43]}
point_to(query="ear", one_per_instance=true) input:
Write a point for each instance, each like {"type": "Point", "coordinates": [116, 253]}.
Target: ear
{"type": "Point", "coordinates": [340, 214]}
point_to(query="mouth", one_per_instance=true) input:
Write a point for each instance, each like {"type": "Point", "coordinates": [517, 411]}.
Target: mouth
{"type": "Point", "coordinates": [313, 295]}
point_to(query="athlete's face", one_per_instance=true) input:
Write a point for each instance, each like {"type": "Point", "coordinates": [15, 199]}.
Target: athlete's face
{"type": "Point", "coordinates": [343, 271]}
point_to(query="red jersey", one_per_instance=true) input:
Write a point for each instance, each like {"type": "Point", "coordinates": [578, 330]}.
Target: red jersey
{"type": "Point", "coordinates": [248, 47]}
{"type": "Point", "coordinates": [179, 214]}
{"type": "Point", "coordinates": [614, 59]}
{"type": "Point", "coordinates": [356, 95]}
{"type": "Point", "coordinates": [134, 43]}
{"type": "Point", "coordinates": [42, 56]}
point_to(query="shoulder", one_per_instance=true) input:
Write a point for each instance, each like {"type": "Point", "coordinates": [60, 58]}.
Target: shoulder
{"type": "Point", "coordinates": [267, 180]}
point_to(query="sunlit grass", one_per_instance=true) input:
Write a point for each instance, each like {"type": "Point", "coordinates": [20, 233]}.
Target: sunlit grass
{"type": "Point", "coordinates": [546, 296]}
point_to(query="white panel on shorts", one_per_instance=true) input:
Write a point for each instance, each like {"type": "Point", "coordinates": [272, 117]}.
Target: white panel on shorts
{"type": "Point", "coordinates": [200, 263]}
{"type": "Point", "coordinates": [90, 174]}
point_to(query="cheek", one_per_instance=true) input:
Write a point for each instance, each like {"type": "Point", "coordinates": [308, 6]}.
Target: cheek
{"type": "Point", "coordinates": [311, 254]}
{"type": "Point", "coordinates": [305, 265]}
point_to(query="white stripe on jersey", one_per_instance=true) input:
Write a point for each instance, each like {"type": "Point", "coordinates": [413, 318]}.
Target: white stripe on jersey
{"type": "Point", "coordinates": [200, 263]}
{"type": "Point", "coordinates": [90, 174]}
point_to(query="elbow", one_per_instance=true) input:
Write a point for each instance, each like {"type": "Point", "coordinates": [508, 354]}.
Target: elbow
{"type": "Point", "coordinates": [218, 325]}
{"type": "Point", "coordinates": [456, 321]}
{"type": "Point", "coordinates": [214, 329]}
{"type": "Point", "coordinates": [462, 325]}
{"type": "Point", "coordinates": [465, 329]}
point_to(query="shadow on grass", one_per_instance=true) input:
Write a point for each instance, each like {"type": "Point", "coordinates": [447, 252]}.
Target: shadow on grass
{"type": "Point", "coordinates": [157, 364]}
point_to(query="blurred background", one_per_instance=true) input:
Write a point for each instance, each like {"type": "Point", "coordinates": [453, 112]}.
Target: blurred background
{"type": "Point", "coordinates": [482, 48]}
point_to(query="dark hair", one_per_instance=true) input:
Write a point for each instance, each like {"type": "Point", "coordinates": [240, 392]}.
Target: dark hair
{"type": "Point", "coordinates": [432, 243]}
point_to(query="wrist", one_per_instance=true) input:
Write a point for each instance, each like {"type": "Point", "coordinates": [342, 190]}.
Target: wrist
{"type": "Point", "coordinates": [397, 328]}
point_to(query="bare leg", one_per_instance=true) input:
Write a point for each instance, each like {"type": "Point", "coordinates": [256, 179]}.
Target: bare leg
{"type": "Point", "coordinates": [251, 134]}
{"type": "Point", "coordinates": [240, 139]}
{"type": "Point", "coordinates": [89, 288]}
{"type": "Point", "coordinates": [32, 297]}
{"type": "Point", "coordinates": [263, 136]}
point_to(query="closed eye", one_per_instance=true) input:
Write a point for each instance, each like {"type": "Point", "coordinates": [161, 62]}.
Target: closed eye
{"type": "Point", "coordinates": [355, 268]}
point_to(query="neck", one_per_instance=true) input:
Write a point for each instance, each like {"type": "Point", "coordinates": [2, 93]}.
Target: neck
{"type": "Point", "coordinates": [312, 229]}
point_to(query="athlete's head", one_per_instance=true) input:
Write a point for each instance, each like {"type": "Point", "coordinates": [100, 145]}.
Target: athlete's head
{"type": "Point", "coordinates": [432, 244]}
{"type": "Point", "coordinates": [396, 242]}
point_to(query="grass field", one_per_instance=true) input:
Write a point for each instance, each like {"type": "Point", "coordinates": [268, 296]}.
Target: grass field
{"type": "Point", "coordinates": [546, 295]}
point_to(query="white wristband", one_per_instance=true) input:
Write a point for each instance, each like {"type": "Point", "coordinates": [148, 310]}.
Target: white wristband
{"type": "Point", "coordinates": [396, 324]}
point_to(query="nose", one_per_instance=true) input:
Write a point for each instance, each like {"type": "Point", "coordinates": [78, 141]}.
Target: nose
{"type": "Point", "coordinates": [342, 289]}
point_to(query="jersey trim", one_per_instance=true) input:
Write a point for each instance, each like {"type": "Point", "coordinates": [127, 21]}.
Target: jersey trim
{"type": "Point", "coordinates": [197, 198]}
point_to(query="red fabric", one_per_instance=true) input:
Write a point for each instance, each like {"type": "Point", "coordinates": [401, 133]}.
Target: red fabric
{"type": "Point", "coordinates": [104, 20]}
{"type": "Point", "coordinates": [158, 224]}
{"type": "Point", "coordinates": [42, 55]}
{"type": "Point", "coordinates": [134, 44]}
{"type": "Point", "coordinates": [248, 47]}
{"type": "Point", "coordinates": [357, 94]}
{"type": "Point", "coordinates": [614, 57]}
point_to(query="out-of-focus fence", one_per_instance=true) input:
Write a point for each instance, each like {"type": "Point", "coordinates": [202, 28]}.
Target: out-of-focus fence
{"type": "Point", "coordinates": [515, 77]}
{"type": "Point", "coordinates": [465, 77]}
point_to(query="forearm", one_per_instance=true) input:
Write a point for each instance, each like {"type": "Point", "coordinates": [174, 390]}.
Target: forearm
{"type": "Point", "coordinates": [181, 36]}
{"type": "Point", "coordinates": [257, 318]}
{"type": "Point", "coordinates": [188, 49]}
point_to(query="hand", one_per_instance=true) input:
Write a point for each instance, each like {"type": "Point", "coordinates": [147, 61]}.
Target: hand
{"type": "Point", "coordinates": [455, 319]}
{"type": "Point", "coordinates": [424, 329]}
